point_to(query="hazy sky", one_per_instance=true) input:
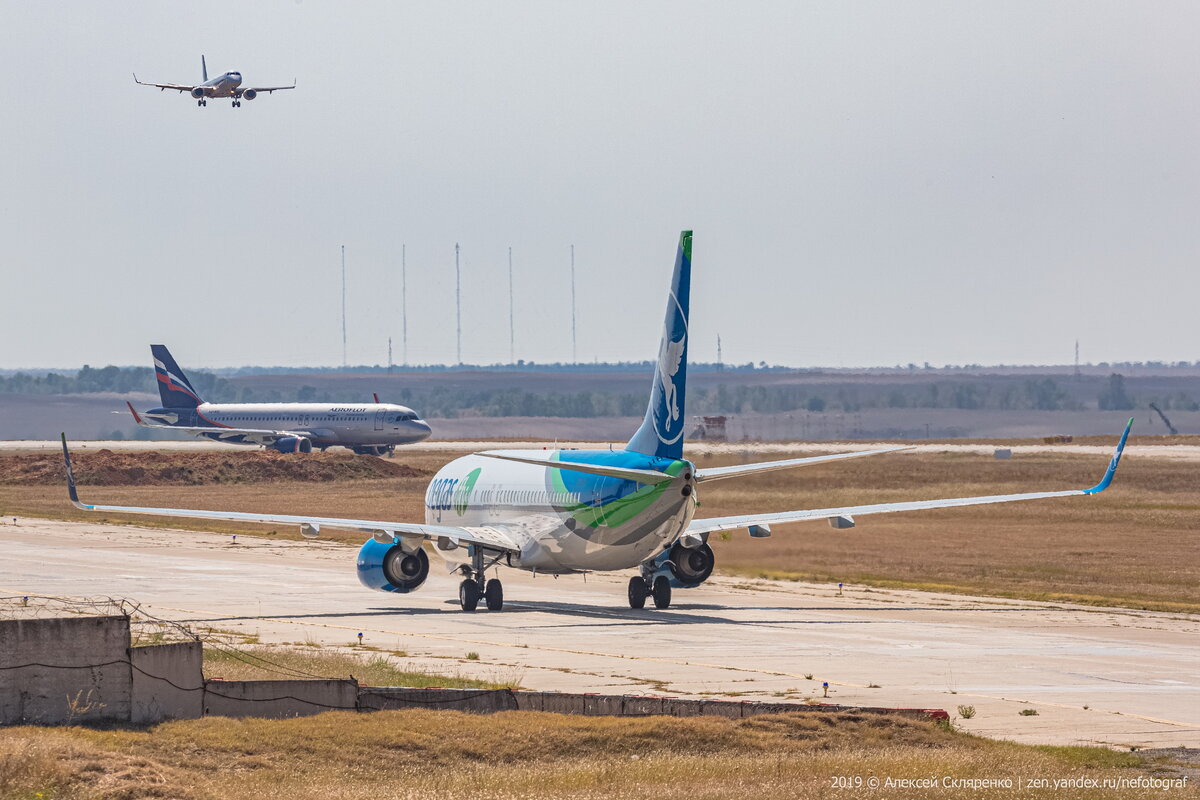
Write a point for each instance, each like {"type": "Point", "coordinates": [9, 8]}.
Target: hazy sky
{"type": "Point", "coordinates": [870, 183]}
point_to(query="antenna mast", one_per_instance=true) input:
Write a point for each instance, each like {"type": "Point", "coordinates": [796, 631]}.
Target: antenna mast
{"type": "Point", "coordinates": [720, 362]}
{"type": "Point", "coordinates": [1076, 359]}
{"type": "Point", "coordinates": [512, 337]}
{"type": "Point", "coordinates": [458, 301]}
{"type": "Point", "coordinates": [343, 305]}
{"type": "Point", "coordinates": [404, 300]}
{"type": "Point", "coordinates": [574, 350]}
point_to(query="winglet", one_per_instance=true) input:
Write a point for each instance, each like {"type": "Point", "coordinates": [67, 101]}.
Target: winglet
{"type": "Point", "coordinates": [1112, 465]}
{"type": "Point", "coordinates": [376, 396]}
{"type": "Point", "coordinates": [136, 417]}
{"type": "Point", "coordinates": [74, 494]}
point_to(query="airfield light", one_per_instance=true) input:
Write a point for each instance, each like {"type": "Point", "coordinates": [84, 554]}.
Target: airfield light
{"type": "Point", "coordinates": [825, 687]}
{"type": "Point", "coordinates": [839, 590]}
{"type": "Point", "coordinates": [360, 637]}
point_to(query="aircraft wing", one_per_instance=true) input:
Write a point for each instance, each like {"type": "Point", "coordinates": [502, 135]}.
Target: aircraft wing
{"type": "Point", "coordinates": [446, 536]}
{"type": "Point", "coordinates": [255, 435]}
{"type": "Point", "coordinates": [177, 87]}
{"type": "Point", "coordinates": [737, 470]}
{"type": "Point", "coordinates": [848, 513]}
{"type": "Point", "coordinates": [267, 89]}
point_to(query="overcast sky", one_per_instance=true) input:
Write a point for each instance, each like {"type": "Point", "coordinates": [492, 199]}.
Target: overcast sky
{"type": "Point", "coordinates": [869, 183]}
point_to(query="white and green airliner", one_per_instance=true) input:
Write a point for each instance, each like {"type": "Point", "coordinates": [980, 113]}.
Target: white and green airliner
{"type": "Point", "coordinates": [578, 511]}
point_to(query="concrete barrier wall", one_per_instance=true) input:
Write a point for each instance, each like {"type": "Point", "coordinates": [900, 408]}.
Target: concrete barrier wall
{"type": "Point", "coordinates": [168, 682]}
{"type": "Point", "coordinates": [55, 671]}
{"type": "Point", "coordinates": [482, 701]}
{"type": "Point", "coordinates": [278, 699]}
{"type": "Point", "coordinates": [81, 669]}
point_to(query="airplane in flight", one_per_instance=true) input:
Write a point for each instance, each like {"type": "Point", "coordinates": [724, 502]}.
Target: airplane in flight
{"type": "Point", "coordinates": [578, 511]}
{"type": "Point", "coordinates": [365, 428]}
{"type": "Point", "coordinates": [227, 84]}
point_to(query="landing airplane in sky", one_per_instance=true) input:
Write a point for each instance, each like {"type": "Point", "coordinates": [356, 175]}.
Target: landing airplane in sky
{"type": "Point", "coordinates": [228, 84]}
{"type": "Point", "coordinates": [373, 429]}
{"type": "Point", "coordinates": [572, 511]}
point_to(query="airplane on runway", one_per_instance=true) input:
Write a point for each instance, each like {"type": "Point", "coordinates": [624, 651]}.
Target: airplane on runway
{"type": "Point", "coordinates": [578, 511]}
{"type": "Point", "coordinates": [227, 84]}
{"type": "Point", "coordinates": [373, 429]}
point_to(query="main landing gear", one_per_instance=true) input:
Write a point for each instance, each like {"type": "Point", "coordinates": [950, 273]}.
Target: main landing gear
{"type": "Point", "coordinates": [237, 103]}
{"type": "Point", "coordinates": [640, 589]}
{"type": "Point", "coordinates": [201, 102]}
{"type": "Point", "coordinates": [474, 587]}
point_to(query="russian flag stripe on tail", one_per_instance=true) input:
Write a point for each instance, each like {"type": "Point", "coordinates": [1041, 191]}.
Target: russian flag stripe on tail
{"type": "Point", "coordinates": [661, 433]}
{"type": "Point", "coordinates": [174, 388]}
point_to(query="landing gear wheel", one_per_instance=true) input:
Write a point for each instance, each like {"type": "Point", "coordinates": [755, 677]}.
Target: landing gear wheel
{"type": "Point", "coordinates": [494, 595]}
{"type": "Point", "coordinates": [662, 592]}
{"type": "Point", "coordinates": [468, 595]}
{"type": "Point", "coordinates": [638, 592]}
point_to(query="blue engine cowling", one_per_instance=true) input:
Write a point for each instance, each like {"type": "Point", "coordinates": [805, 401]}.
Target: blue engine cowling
{"type": "Point", "coordinates": [387, 568]}
{"type": "Point", "coordinates": [291, 444]}
{"type": "Point", "coordinates": [249, 94]}
{"type": "Point", "coordinates": [197, 93]}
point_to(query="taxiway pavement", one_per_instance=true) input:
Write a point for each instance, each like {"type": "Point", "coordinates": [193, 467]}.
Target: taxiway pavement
{"type": "Point", "coordinates": [1111, 676]}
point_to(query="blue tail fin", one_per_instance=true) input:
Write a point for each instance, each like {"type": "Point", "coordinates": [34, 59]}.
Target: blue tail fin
{"type": "Point", "coordinates": [173, 386]}
{"type": "Point", "coordinates": [661, 433]}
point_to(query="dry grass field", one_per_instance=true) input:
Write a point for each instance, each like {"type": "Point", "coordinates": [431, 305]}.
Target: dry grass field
{"type": "Point", "coordinates": [1135, 545]}
{"type": "Point", "coordinates": [445, 754]}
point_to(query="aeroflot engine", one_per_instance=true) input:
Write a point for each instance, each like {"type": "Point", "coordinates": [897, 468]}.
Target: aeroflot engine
{"type": "Point", "coordinates": [388, 568]}
{"type": "Point", "coordinates": [197, 93]}
{"type": "Point", "coordinates": [292, 444]}
{"type": "Point", "coordinates": [249, 94]}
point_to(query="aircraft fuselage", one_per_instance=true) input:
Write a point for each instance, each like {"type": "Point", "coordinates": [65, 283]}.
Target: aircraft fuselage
{"type": "Point", "coordinates": [327, 425]}
{"type": "Point", "coordinates": [563, 520]}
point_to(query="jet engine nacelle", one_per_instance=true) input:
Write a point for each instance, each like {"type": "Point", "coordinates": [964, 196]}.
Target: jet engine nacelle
{"type": "Point", "coordinates": [691, 566]}
{"type": "Point", "coordinates": [388, 568]}
{"type": "Point", "coordinates": [198, 93]}
{"type": "Point", "coordinates": [291, 444]}
{"type": "Point", "coordinates": [249, 94]}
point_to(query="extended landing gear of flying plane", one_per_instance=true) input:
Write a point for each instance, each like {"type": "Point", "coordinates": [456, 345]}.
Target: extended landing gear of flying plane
{"type": "Point", "coordinates": [640, 589]}
{"type": "Point", "coordinates": [201, 102]}
{"type": "Point", "coordinates": [237, 103]}
{"type": "Point", "coordinates": [474, 587]}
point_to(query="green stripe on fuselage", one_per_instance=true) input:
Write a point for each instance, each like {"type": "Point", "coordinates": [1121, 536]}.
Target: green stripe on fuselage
{"type": "Point", "coordinates": [621, 510]}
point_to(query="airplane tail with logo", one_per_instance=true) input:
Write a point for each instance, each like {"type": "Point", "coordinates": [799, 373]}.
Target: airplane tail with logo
{"type": "Point", "coordinates": [173, 386]}
{"type": "Point", "coordinates": [661, 433]}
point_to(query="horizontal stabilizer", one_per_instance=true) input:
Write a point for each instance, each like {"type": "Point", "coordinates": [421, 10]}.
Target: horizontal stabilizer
{"type": "Point", "coordinates": [738, 470]}
{"type": "Point", "coordinates": [646, 476]}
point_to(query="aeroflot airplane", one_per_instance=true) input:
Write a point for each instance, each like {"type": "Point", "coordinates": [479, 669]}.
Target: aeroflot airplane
{"type": "Point", "coordinates": [579, 511]}
{"type": "Point", "coordinates": [367, 428]}
{"type": "Point", "coordinates": [228, 84]}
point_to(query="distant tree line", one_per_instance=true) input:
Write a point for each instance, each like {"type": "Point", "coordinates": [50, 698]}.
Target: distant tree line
{"type": "Point", "coordinates": [1009, 393]}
